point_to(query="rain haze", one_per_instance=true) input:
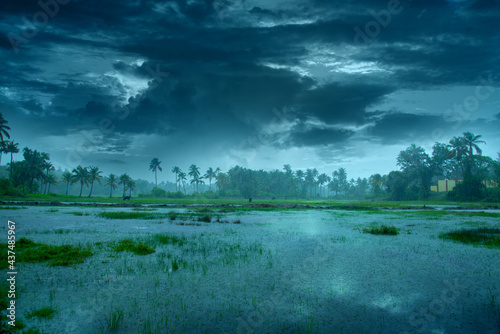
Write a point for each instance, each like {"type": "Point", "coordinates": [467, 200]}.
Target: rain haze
{"type": "Point", "coordinates": [259, 84]}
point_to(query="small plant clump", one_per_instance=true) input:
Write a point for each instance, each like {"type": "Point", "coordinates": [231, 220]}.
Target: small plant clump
{"type": "Point", "coordinates": [43, 313]}
{"type": "Point", "coordinates": [166, 239]}
{"type": "Point", "coordinates": [489, 237]}
{"type": "Point", "coordinates": [138, 248]}
{"type": "Point", "coordinates": [383, 229]}
{"type": "Point", "coordinates": [205, 219]}
{"type": "Point", "coordinates": [65, 255]}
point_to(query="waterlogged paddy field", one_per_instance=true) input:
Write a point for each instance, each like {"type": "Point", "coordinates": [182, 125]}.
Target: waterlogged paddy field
{"type": "Point", "coordinates": [281, 271]}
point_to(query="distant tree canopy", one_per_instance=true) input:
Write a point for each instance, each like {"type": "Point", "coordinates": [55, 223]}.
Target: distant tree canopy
{"type": "Point", "coordinates": [460, 158]}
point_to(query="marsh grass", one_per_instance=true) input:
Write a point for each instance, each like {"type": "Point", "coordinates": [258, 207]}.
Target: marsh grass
{"type": "Point", "coordinates": [166, 239]}
{"type": "Point", "coordinates": [43, 313]}
{"type": "Point", "coordinates": [11, 208]}
{"type": "Point", "coordinates": [129, 245]}
{"type": "Point", "coordinates": [32, 252]}
{"type": "Point", "coordinates": [130, 215]}
{"type": "Point", "coordinates": [205, 219]}
{"type": "Point", "coordinates": [483, 236]}
{"type": "Point", "coordinates": [77, 213]}
{"type": "Point", "coordinates": [383, 229]}
{"type": "Point", "coordinates": [52, 210]}
{"type": "Point", "coordinates": [113, 321]}
{"type": "Point", "coordinates": [65, 255]}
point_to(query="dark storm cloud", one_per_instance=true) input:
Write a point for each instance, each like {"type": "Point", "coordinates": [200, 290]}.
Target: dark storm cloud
{"type": "Point", "coordinates": [231, 63]}
{"type": "Point", "coordinates": [303, 135]}
{"type": "Point", "coordinates": [399, 127]}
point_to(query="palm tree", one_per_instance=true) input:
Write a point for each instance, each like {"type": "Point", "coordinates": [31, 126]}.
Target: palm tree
{"type": "Point", "coordinates": [458, 148]}
{"type": "Point", "coordinates": [51, 180]}
{"type": "Point", "coordinates": [182, 177]}
{"type": "Point", "coordinates": [194, 172]}
{"type": "Point", "coordinates": [177, 171]}
{"type": "Point", "coordinates": [154, 166]}
{"type": "Point", "coordinates": [81, 175]}
{"type": "Point", "coordinates": [3, 128]}
{"type": "Point", "coordinates": [12, 148]}
{"type": "Point", "coordinates": [211, 174]}
{"type": "Point", "coordinates": [322, 179]}
{"type": "Point", "coordinates": [471, 142]}
{"type": "Point", "coordinates": [48, 166]}
{"type": "Point", "coordinates": [131, 186]}
{"type": "Point", "coordinates": [111, 182]}
{"type": "Point", "coordinates": [68, 178]}
{"type": "Point", "coordinates": [124, 179]}
{"type": "Point", "coordinates": [3, 148]}
{"type": "Point", "coordinates": [94, 175]}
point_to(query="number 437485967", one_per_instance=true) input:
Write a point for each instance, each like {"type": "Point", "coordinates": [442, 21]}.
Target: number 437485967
{"type": "Point", "coordinates": [11, 258]}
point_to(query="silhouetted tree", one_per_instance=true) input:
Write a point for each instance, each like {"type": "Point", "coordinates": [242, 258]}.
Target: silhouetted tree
{"type": "Point", "coordinates": [67, 178]}
{"type": "Point", "coordinates": [81, 175]}
{"type": "Point", "coordinates": [154, 166]}
{"type": "Point", "coordinates": [3, 128]}
{"type": "Point", "coordinates": [94, 175]}
{"type": "Point", "coordinates": [111, 181]}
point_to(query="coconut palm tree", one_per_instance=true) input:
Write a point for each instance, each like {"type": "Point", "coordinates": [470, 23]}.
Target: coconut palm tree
{"type": "Point", "coordinates": [111, 181]}
{"type": "Point", "coordinates": [322, 179]}
{"type": "Point", "coordinates": [131, 186]}
{"type": "Point", "coordinates": [67, 178]}
{"type": "Point", "coordinates": [81, 175]}
{"type": "Point", "coordinates": [3, 128]}
{"type": "Point", "coordinates": [181, 179]}
{"type": "Point", "coordinates": [194, 172]}
{"type": "Point", "coordinates": [177, 171]}
{"type": "Point", "coordinates": [12, 148]}
{"type": "Point", "coordinates": [3, 148]}
{"type": "Point", "coordinates": [471, 141]}
{"type": "Point", "coordinates": [124, 179]}
{"type": "Point", "coordinates": [94, 175]}
{"type": "Point", "coordinates": [210, 174]}
{"type": "Point", "coordinates": [51, 180]}
{"type": "Point", "coordinates": [48, 166]}
{"type": "Point", "coordinates": [154, 166]}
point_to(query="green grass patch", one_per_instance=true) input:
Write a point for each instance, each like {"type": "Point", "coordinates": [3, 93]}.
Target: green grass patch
{"type": "Point", "coordinates": [65, 255]}
{"type": "Point", "coordinates": [482, 236]}
{"type": "Point", "coordinates": [383, 229]}
{"type": "Point", "coordinates": [166, 239]}
{"type": "Point", "coordinates": [11, 208]}
{"type": "Point", "coordinates": [129, 245]}
{"type": "Point", "coordinates": [205, 219]}
{"type": "Point", "coordinates": [130, 215]}
{"type": "Point", "coordinates": [43, 313]}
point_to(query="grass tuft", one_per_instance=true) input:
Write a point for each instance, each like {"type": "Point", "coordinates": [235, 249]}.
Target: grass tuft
{"type": "Point", "coordinates": [130, 215]}
{"type": "Point", "coordinates": [383, 229]}
{"type": "Point", "coordinates": [166, 239]}
{"type": "Point", "coordinates": [205, 218]}
{"type": "Point", "coordinates": [138, 248]}
{"type": "Point", "coordinates": [483, 236]}
{"type": "Point", "coordinates": [43, 313]}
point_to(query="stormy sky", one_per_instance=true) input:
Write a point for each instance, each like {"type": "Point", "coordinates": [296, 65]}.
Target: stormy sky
{"type": "Point", "coordinates": [313, 83]}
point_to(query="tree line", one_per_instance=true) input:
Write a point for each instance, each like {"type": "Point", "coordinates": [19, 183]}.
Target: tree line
{"type": "Point", "coordinates": [460, 158]}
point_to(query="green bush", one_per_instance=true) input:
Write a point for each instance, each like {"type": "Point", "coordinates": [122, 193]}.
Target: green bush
{"type": "Point", "coordinates": [7, 188]}
{"type": "Point", "coordinates": [158, 192]}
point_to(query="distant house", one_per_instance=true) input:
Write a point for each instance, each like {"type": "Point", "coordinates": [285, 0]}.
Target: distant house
{"type": "Point", "coordinates": [447, 185]}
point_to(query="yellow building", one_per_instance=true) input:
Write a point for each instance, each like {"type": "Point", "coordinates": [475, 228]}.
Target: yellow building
{"type": "Point", "coordinates": [448, 185]}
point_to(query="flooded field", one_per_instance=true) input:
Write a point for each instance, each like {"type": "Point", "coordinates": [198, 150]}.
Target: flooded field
{"type": "Point", "coordinates": [223, 270]}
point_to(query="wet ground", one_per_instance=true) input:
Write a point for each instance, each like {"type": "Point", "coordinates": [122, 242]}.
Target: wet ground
{"type": "Point", "coordinates": [281, 271]}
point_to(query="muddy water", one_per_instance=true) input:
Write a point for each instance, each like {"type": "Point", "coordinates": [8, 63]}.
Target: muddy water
{"type": "Point", "coordinates": [278, 271]}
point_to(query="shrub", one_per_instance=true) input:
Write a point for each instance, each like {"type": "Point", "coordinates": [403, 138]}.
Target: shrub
{"type": "Point", "coordinates": [7, 188]}
{"type": "Point", "coordinates": [158, 192]}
